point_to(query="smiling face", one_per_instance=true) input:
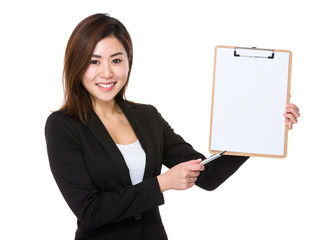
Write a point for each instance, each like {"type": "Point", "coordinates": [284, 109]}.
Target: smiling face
{"type": "Point", "coordinates": [107, 71]}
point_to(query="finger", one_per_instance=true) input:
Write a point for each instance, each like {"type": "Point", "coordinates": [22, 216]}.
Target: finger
{"type": "Point", "coordinates": [194, 174]}
{"type": "Point", "coordinates": [291, 117]}
{"type": "Point", "coordinates": [292, 111]}
{"type": "Point", "coordinates": [192, 179]}
{"type": "Point", "coordinates": [196, 167]}
{"type": "Point", "coordinates": [189, 185]}
{"type": "Point", "coordinates": [292, 105]}
{"type": "Point", "coordinates": [292, 108]}
{"type": "Point", "coordinates": [196, 161]}
{"type": "Point", "coordinates": [289, 124]}
{"type": "Point", "coordinates": [191, 182]}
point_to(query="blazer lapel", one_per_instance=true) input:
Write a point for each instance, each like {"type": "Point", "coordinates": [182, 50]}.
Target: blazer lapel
{"type": "Point", "coordinates": [100, 132]}
{"type": "Point", "coordinates": [142, 132]}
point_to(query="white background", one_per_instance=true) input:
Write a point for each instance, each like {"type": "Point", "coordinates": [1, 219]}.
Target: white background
{"type": "Point", "coordinates": [173, 64]}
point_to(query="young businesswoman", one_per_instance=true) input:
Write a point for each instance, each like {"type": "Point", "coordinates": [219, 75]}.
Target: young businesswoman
{"type": "Point", "coordinates": [106, 152]}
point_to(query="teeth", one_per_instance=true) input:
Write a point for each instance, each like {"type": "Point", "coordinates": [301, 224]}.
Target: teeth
{"type": "Point", "coordinates": [105, 85]}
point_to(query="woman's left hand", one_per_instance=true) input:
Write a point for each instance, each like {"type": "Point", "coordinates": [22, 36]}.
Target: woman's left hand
{"type": "Point", "coordinates": [291, 115]}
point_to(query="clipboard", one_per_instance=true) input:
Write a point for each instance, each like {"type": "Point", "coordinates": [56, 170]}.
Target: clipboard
{"type": "Point", "coordinates": [251, 87]}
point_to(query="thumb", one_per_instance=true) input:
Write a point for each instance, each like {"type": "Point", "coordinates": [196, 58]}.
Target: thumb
{"type": "Point", "coordinates": [196, 161]}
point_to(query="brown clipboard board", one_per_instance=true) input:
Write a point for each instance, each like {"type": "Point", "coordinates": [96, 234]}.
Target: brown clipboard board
{"type": "Point", "coordinates": [251, 87]}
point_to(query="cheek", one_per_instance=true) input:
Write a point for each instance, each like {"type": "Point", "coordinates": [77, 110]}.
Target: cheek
{"type": "Point", "coordinates": [88, 75]}
{"type": "Point", "coordinates": [87, 80]}
{"type": "Point", "coordinates": [85, 83]}
{"type": "Point", "coordinates": [122, 73]}
{"type": "Point", "coordinates": [125, 75]}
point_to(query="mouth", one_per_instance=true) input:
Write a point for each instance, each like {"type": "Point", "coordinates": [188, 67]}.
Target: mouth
{"type": "Point", "coordinates": [105, 85]}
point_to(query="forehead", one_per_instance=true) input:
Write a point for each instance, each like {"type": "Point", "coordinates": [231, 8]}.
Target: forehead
{"type": "Point", "coordinates": [109, 46]}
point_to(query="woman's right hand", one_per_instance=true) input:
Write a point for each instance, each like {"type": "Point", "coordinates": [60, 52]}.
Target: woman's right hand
{"type": "Point", "coordinates": [181, 176]}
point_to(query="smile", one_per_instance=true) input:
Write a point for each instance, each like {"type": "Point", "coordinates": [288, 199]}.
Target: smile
{"type": "Point", "coordinates": [108, 85]}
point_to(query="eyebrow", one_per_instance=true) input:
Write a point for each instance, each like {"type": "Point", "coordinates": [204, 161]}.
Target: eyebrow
{"type": "Point", "coordinates": [113, 55]}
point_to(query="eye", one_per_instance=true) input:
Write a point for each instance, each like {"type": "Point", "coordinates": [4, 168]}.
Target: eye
{"type": "Point", "coordinates": [94, 62]}
{"type": "Point", "coordinates": [116, 61]}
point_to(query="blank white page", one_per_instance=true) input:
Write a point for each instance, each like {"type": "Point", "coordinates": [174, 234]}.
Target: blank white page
{"type": "Point", "coordinates": [248, 104]}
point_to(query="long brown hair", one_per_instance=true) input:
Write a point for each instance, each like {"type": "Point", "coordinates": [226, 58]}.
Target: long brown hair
{"type": "Point", "coordinates": [78, 103]}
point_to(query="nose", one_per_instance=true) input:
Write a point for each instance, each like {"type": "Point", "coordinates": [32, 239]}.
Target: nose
{"type": "Point", "coordinates": [106, 71]}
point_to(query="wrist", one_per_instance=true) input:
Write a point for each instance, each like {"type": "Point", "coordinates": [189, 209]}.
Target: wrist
{"type": "Point", "coordinates": [162, 183]}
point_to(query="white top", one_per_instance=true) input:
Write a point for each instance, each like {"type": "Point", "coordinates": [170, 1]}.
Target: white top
{"type": "Point", "coordinates": [135, 159]}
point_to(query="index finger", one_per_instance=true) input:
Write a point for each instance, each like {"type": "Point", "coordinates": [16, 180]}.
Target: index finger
{"type": "Point", "coordinates": [196, 167]}
{"type": "Point", "coordinates": [292, 108]}
{"type": "Point", "coordinates": [291, 105]}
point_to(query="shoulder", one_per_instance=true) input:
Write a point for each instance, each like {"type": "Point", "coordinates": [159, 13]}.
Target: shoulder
{"type": "Point", "coordinates": [60, 122]}
{"type": "Point", "coordinates": [146, 109]}
{"type": "Point", "coordinates": [58, 117]}
{"type": "Point", "coordinates": [145, 112]}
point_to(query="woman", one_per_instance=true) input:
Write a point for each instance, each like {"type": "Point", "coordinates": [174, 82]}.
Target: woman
{"type": "Point", "coordinates": [106, 153]}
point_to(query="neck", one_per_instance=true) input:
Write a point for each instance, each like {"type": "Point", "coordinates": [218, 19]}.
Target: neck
{"type": "Point", "coordinates": [106, 109]}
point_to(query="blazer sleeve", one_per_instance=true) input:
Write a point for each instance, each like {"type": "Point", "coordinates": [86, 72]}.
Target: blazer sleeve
{"type": "Point", "coordinates": [177, 150]}
{"type": "Point", "coordinates": [92, 207]}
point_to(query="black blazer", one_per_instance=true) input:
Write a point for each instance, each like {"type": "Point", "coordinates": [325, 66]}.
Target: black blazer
{"type": "Point", "coordinates": [95, 182]}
